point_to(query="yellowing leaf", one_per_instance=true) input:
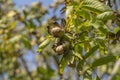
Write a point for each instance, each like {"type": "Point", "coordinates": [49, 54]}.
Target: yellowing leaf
{"type": "Point", "coordinates": [1, 31]}
{"type": "Point", "coordinates": [69, 11]}
{"type": "Point", "coordinates": [14, 39]}
{"type": "Point", "coordinates": [12, 25]}
{"type": "Point", "coordinates": [11, 13]}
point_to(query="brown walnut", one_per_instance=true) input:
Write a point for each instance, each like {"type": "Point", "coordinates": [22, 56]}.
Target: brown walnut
{"type": "Point", "coordinates": [60, 49]}
{"type": "Point", "coordinates": [57, 32]}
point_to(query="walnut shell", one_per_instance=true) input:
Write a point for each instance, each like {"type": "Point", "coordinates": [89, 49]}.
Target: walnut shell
{"type": "Point", "coordinates": [57, 31]}
{"type": "Point", "coordinates": [60, 49]}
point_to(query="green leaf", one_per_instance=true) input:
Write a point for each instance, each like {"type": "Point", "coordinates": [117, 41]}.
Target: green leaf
{"type": "Point", "coordinates": [101, 42]}
{"type": "Point", "coordinates": [78, 48]}
{"type": "Point", "coordinates": [26, 42]}
{"type": "Point", "coordinates": [116, 30]}
{"type": "Point", "coordinates": [86, 46]}
{"type": "Point", "coordinates": [103, 60]}
{"type": "Point", "coordinates": [78, 55]}
{"type": "Point", "coordinates": [103, 29]}
{"type": "Point", "coordinates": [95, 6]}
{"type": "Point", "coordinates": [67, 58]}
{"type": "Point", "coordinates": [50, 72]}
{"type": "Point", "coordinates": [105, 16]}
{"type": "Point", "coordinates": [63, 64]}
{"type": "Point", "coordinates": [102, 45]}
{"type": "Point", "coordinates": [77, 22]}
{"type": "Point", "coordinates": [101, 26]}
{"type": "Point", "coordinates": [44, 44]}
{"type": "Point", "coordinates": [46, 73]}
{"type": "Point", "coordinates": [42, 70]}
{"type": "Point", "coordinates": [85, 14]}
{"type": "Point", "coordinates": [80, 65]}
{"type": "Point", "coordinates": [92, 50]}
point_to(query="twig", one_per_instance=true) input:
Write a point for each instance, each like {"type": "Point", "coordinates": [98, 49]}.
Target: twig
{"type": "Point", "coordinates": [26, 68]}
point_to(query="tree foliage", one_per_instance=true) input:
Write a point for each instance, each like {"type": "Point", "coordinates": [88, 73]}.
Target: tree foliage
{"type": "Point", "coordinates": [84, 44]}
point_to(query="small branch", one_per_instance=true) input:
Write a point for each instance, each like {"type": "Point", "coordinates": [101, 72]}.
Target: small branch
{"type": "Point", "coordinates": [26, 68]}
